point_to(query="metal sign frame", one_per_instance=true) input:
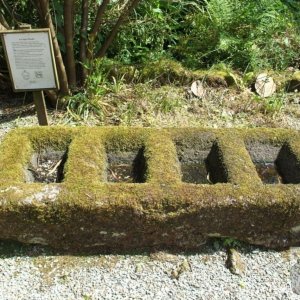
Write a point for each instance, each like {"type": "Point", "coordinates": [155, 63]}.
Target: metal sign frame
{"type": "Point", "coordinates": [31, 31]}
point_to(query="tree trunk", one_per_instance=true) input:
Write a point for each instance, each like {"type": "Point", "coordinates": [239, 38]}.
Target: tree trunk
{"type": "Point", "coordinates": [53, 99]}
{"type": "Point", "coordinates": [83, 40]}
{"type": "Point", "coordinates": [122, 20]}
{"type": "Point", "coordinates": [2, 28]}
{"type": "Point", "coordinates": [68, 34]}
{"type": "Point", "coordinates": [8, 10]}
{"type": "Point", "coordinates": [3, 24]}
{"type": "Point", "coordinates": [44, 11]}
{"type": "Point", "coordinates": [96, 27]}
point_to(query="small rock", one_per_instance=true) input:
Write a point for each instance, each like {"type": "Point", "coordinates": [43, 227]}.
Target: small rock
{"type": "Point", "coordinates": [139, 268]}
{"type": "Point", "coordinates": [295, 277]}
{"type": "Point", "coordinates": [198, 89]}
{"type": "Point", "coordinates": [235, 263]}
{"type": "Point", "coordinates": [175, 274]}
{"type": "Point", "coordinates": [164, 256]}
{"type": "Point", "coordinates": [181, 268]}
{"type": "Point", "coordinates": [265, 85]}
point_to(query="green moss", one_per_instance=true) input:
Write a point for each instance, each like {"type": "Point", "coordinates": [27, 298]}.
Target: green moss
{"type": "Point", "coordinates": [15, 151]}
{"type": "Point", "coordinates": [86, 159]}
{"type": "Point", "coordinates": [293, 84]}
{"type": "Point", "coordinates": [236, 160]}
{"type": "Point", "coordinates": [215, 78]}
{"type": "Point", "coordinates": [86, 211]}
{"type": "Point", "coordinates": [124, 138]}
{"type": "Point", "coordinates": [268, 135]}
{"type": "Point", "coordinates": [162, 162]}
{"type": "Point", "coordinates": [169, 71]}
{"type": "Point", "coordinates": [57, 138]}
{"type": "Point", "coordinates": [296, 76]}
{"type": "Point", "coordinates": [166, 71]}
{"type": "Point", "coordinates": [117, 70]}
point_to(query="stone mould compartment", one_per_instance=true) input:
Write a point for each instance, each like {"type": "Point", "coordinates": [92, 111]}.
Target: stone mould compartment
{"type": "Point", "coordinates": [111, 217]}
{"type": "Point", "coordinates": [201, 163]}
{"type": "Point", "coordinates": [275, 164]}
{"type": "Point", "coordinates": [126, 166]}
{"type": "Point", "coordinates": [46, 166]}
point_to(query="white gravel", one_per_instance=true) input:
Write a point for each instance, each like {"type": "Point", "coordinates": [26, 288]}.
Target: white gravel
{"type": "Point", "coordinates": [147, 276]}
{"type": "Point", "coordinates": [35, 273]}
{"type": "Point", "coordinates": [5, 127]}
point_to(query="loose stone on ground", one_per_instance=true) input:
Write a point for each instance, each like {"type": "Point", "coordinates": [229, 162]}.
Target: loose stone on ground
{"type": "Point", "coordinates": [235, 263]}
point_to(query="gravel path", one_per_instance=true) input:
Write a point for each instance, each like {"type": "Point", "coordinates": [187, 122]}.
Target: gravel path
{"type": "Point", "coordinates": [34, 272]}
{"type": "Point", "coordinates": [151, 276]}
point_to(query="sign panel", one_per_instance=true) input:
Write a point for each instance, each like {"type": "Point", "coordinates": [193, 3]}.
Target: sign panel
{"type": "Point", "coordinates": [30, 58]}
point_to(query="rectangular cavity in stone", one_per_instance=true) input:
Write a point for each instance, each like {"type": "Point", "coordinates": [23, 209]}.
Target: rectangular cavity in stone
{"type": "Point", "coordinates": [274, 164]}
{"type": "Point", "coordinates": [201, 164]}
{"type": "Point", "coordinates": [46, 166]}
{"type": "Point", "coordinates": [126, 166]}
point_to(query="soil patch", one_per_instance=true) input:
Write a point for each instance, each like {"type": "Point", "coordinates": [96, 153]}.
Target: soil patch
{"type": "Point", "coordinates": [201, 164]}
{"type": "Point", "coordinates": [126, 166]}
{"type": "Point", "coordinates": [274, 164]}
{"type": "Point", "coordinates": [46, 166]}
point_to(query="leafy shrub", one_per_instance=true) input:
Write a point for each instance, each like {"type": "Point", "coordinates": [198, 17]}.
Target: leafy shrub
{"type": "Point", "coordinates": [246, 34]}
{"type": "Point", "coordinates": [154, 29]}
{"type": "Point", "coordinates": [88, 101]}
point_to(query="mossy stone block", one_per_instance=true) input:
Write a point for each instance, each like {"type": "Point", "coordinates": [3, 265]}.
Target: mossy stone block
{"type": "Point", "coordinates": [87, 212]}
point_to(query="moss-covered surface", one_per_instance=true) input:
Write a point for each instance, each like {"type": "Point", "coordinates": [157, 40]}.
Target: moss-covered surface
{"type": "Point", "coordinates": [294, 83]}
{"type": "Point", "coordinates": [85, 212]}
{"type": "Point", "coordinates": [167, 71]}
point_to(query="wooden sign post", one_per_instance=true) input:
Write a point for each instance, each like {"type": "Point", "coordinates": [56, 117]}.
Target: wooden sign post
{"type": "Point", "coordinates": [40, 105]}
{"type": "Point", "coordinates": [31, 62]}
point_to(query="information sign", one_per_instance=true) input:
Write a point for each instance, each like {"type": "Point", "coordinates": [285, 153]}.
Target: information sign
{"type": "Point", "coordinates": [30, 59]}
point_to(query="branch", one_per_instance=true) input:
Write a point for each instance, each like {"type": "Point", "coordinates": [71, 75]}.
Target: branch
{"type": "Point", "coordinates": [44, 11]}
{"type": "Point", "coordinates": [121, 21]}
{"type": "Point", "coordinates": [7, 8]}
{"type": "Point", "coordinates": [68, 34]}
{"type": "Point", "coordinates": [96, 27]}
{"type": "Point", "coordinates": [3, 23]}
{"type": "Point", "coordinates": [11, 12]}
{"type": "Point", "coordinates": [2, 28]}
{"type": "Point", "coordinates": [98, 20]}
{"type": "Point", "coordinates": [83, 39]}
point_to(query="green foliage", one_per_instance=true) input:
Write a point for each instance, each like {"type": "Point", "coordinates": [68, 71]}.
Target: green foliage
{"type": "Point", "coordinates": [88, 101]}
{"type": "Point", "coordinates": [16, 11]}
{"type": "Point", "coordinates": [153, 31]}
{"type": "Point", "coordinates": [272, 105]}
{"type": "Point", "coordinates": [80, 106]}
{"type": "Point", "coordinates": [246, 34]}
{"type": "Point", "coordinates": [231, 243]}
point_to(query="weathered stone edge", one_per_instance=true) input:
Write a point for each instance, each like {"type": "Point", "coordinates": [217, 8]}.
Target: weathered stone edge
{"type": "Point", "coordinates": [83, 215]}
